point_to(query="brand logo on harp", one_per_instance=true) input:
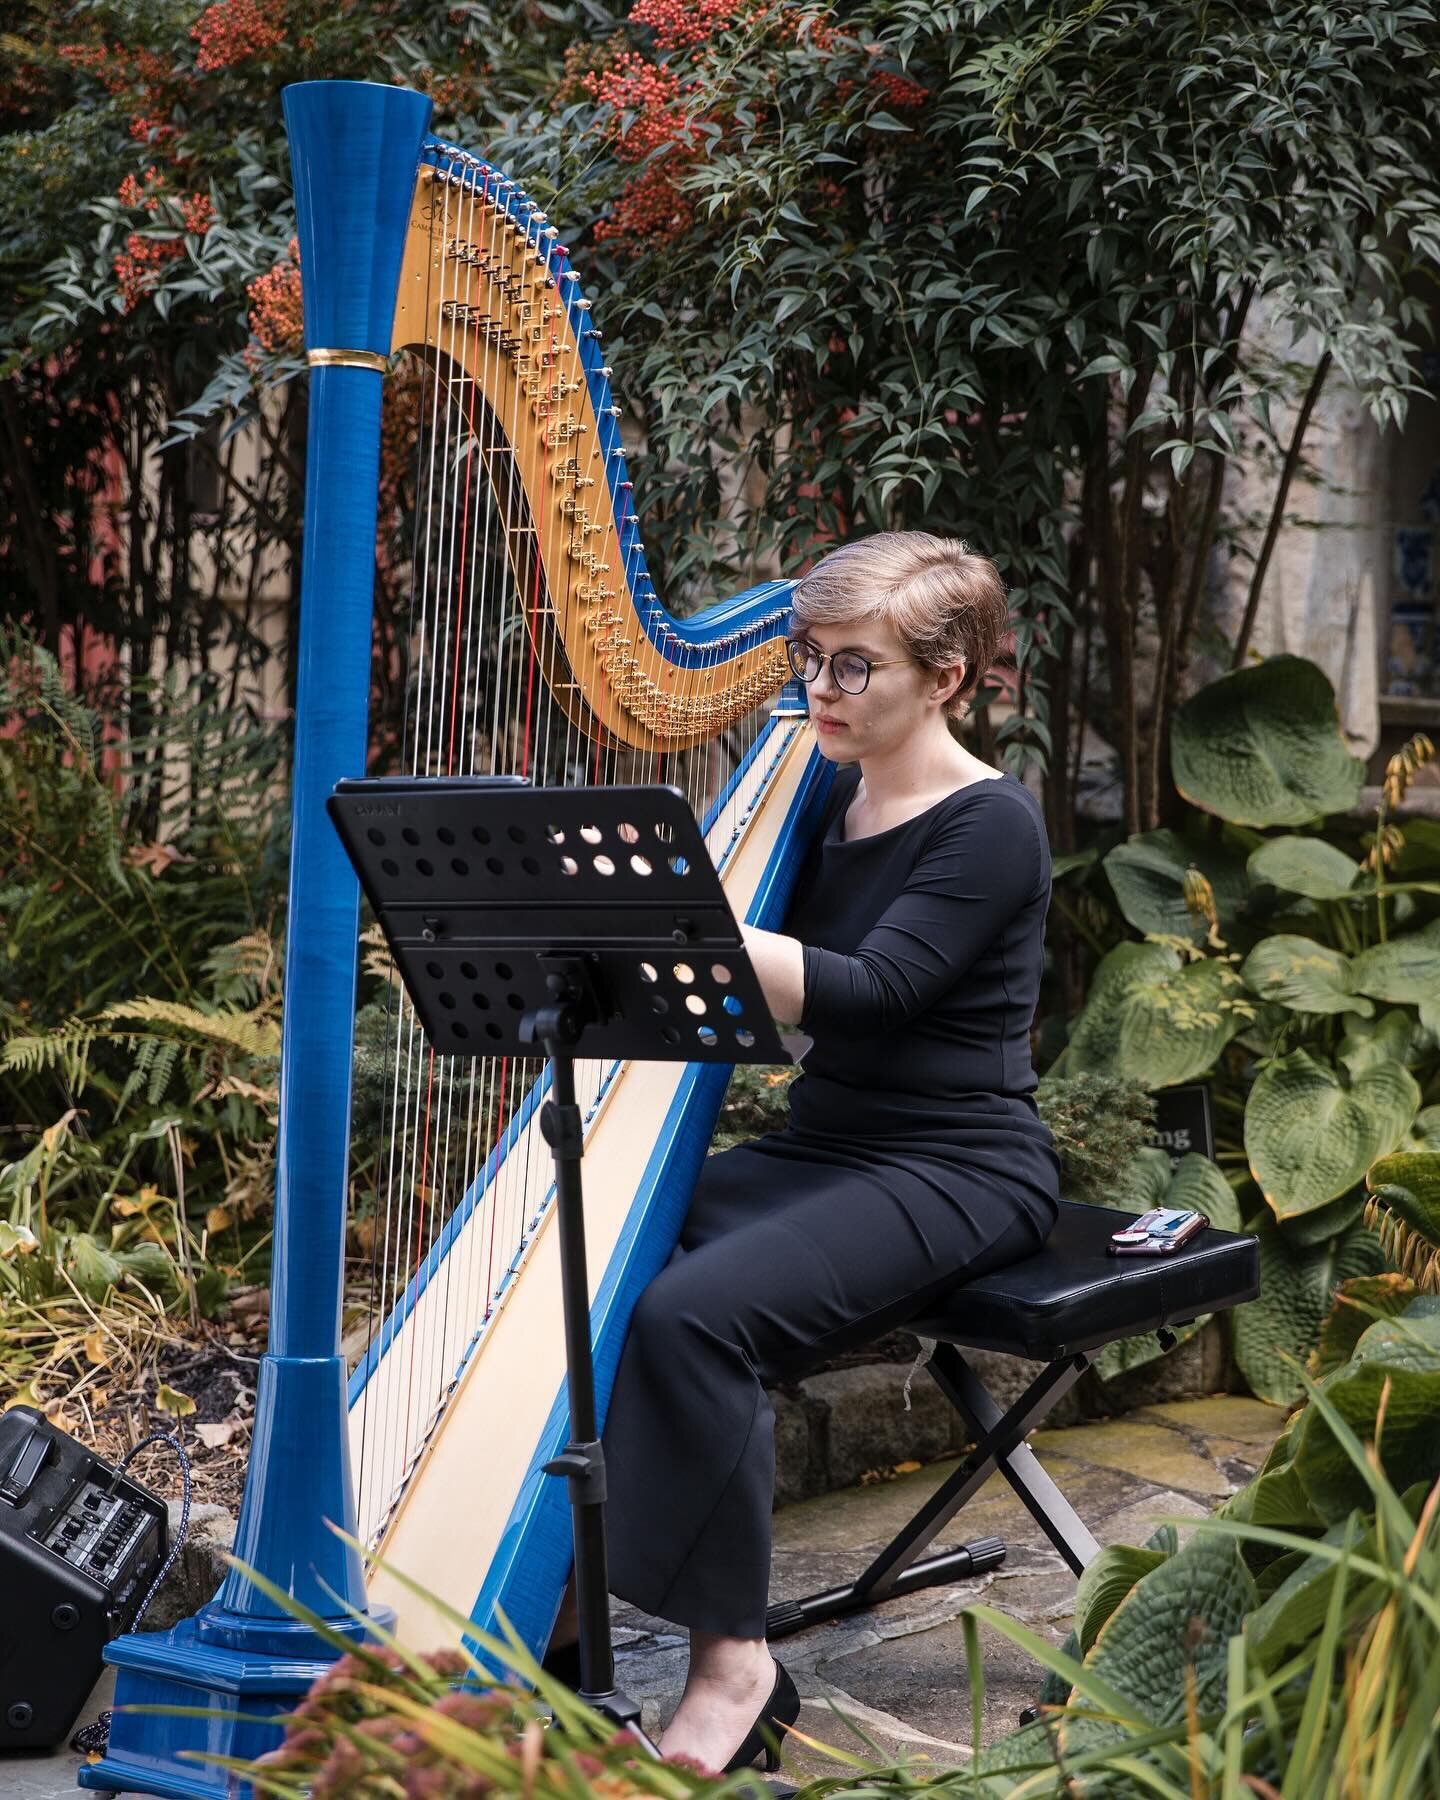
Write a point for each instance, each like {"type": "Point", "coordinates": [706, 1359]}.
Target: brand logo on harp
{"type": "Point", "coordinates": [377, 809]}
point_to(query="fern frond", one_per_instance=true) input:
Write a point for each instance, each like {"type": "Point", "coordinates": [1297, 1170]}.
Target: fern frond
{"type": "Point", "coordinates": [253, 1034]}
{"type": "Point", "coordinates": [138, 1075]}
{"type": "Point", "coordinates": [376, 959]}
{"type": "Point", "coordinates": [162, 1067]}
{"type": "Point", "coordinates": [248, 968]}
{"type": "Point", "coordinates": [66, 1049]}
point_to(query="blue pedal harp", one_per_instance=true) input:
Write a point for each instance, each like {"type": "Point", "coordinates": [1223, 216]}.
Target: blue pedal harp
{"type": "Point", "coordinates": [414, 1382]}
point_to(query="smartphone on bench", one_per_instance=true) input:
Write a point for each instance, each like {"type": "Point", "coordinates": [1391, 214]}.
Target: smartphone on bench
{"type": "Point", "coordinates": [1158, 1232]}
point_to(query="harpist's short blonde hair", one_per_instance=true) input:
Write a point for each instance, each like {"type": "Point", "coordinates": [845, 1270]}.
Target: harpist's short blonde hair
{"type": "Point", "coordinates": [947, 604]}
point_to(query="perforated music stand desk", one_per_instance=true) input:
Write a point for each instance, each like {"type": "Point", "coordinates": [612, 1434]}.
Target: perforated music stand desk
{"type": "Point", "coordinates": [584, 922]}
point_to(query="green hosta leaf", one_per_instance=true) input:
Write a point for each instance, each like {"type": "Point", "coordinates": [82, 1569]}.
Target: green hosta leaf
{"type": "Point", "coordinates": [1352, 1315]}
{"type": "Point", "coordinates": [1406, 970]}
{"type": "Point", "coordinates": [1327, 1221]}
{"type": "Point", "coordinates": [1263, 746]}
{"type": "Point", "coordinates": [1420, 853]}
{"type": "Point", "coordinates": [1406, 1353]}
{"type": "Point", "coordinates": [1310, 1135]}
{"type": "Point", "coordinates": [1295, 1612]}
{"type": "Point", "coordinates": [1153, 1019]}
{"type": "Point", "coordinates": [1273, 1497]}
{"type": "Point", "coordinates": [1304, 865]}
{"type": "Point", "coordinates": [1197, 1184]}
{"type": "Point", "coordinates": [1303, 975]}
{"type": "Point", "coordinates": [1297, 1282]}
{"type": "Point", "coordinates": [1424, 1132]}
{"type": "Point", "coordinates": [1370, 1043]}
{"type": "Point", "coordinates": [1105, 1583]}
{"type": "Point", "coordinates": [1180, 1613]}
{"type": "Point", "coordinates": [1062, 866]}
{"type": "Point", "coordinates": [1147, 874]}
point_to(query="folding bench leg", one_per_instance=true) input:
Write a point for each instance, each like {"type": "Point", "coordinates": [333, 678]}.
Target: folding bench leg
{"type": "Point", "coordinates": [999, 1444]}
{"type": "Point", "coordinates": [1018, 1463]}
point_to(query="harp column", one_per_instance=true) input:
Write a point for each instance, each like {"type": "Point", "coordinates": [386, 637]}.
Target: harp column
{"type": "Point", "coordinates": [355, 148]}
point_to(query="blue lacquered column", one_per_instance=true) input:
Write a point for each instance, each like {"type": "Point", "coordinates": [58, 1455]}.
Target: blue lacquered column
{"type": "Point", "coordinates": [355, 148]}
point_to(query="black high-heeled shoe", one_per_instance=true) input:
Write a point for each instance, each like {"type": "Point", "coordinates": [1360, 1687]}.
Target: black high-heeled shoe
{"type": "Point", "coordinates": [777, 1715]}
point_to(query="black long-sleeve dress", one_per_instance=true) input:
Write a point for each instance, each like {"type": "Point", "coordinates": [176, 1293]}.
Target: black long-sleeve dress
{"type": "Point", "coordinates": [913, 1155]}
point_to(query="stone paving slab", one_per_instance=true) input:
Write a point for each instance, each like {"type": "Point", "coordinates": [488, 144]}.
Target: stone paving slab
{"type": "Point", "coordinates": [898, 1673]}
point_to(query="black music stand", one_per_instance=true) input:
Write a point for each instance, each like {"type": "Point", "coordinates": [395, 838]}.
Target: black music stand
{"type": "Point", "coordinates": [589, 922]}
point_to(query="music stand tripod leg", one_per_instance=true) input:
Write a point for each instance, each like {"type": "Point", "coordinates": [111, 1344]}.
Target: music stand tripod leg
{"type": "Point", "coordinates": [582, 1461]}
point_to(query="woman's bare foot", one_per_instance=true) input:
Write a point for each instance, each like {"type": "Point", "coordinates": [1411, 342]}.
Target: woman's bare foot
{"type": "Point", "coordinates": [729, 1682]}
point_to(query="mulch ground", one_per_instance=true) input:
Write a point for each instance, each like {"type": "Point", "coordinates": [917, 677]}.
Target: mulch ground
{"type": "Point", "coordinates": [197, 1384]}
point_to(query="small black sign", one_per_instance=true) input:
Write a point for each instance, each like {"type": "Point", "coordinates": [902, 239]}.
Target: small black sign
{"type": "Point", "coordinates": [1183, 1122]}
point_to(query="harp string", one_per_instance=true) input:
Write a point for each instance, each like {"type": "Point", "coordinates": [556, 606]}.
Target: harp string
{"type": "Point", "coordinates": [479, 601]}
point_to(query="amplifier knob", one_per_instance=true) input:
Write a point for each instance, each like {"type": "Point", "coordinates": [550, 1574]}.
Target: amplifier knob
{"type": "Point", "coordinates": [65, 1617]}
{"type": "Point", "coordinates": [20, 1715]}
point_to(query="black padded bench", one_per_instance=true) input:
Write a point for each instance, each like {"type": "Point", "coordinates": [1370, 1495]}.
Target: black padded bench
{"type": "Point", "coordinates": [1058, 1307]}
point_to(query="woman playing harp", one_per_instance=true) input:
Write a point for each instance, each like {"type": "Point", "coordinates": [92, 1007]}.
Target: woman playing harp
{"type": "Point", "coordinates": [913, 1158]}
{"type": "Point", "coordinates": [540, 649]}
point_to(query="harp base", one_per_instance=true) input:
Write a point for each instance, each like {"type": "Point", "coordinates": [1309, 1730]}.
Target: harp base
{"type": "Point", "coordinates": [240, 1694]}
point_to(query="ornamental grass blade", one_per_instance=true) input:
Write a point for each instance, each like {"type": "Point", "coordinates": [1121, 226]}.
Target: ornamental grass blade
{"type": "Point", "coordinates": [975, 1670]}
{"type": "Point", "coordinates": [1112, 1706]}
{"type": "Point", "coordinates": [1312, 1739]}
{"type": "Point", "coordinates": [1232, 1728]}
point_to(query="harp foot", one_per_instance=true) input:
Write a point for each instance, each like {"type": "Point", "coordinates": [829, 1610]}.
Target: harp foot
{"type": "Point", "coordinates": [240, 1656]}
{"type": "Point", "coordinates": [242, 1693]}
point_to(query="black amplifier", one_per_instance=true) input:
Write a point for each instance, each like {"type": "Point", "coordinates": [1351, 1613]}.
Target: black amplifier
{"type": "Point", "coordinates": [79, 1545]}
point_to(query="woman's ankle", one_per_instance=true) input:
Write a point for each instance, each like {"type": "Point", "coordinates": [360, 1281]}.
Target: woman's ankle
{"type": "Point", "coordinates": [728, 1662]}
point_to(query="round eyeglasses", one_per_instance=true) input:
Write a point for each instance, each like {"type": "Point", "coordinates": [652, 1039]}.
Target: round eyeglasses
{"type": "Point", "coordinates": [849, 669]}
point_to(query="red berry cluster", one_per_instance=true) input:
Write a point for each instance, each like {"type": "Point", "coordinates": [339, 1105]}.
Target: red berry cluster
{"type": "Point", "coordinates": [679, 24]}
{"type": "Point", "coordinates": [810, 28]}
{"type": "Point", "coordinates": [276, 318]}
{"type": "Point", "coordinates": [453, 95]}
{"type": "Point", "coordinates": [195, 211]}
{"type": "Point", "coordinates": [648, 90]}
{"type": "Point", "coordinates": [900, 94]}
{"type": "Point", "coordinates": [146, 130]}
{"type": "Point", "coordinates": [650, 210]}
{"type": "Point", "coordinates": [106, 65]}
{"type": "Point", "coordinates": [146, 77]}
{"type": "Point", "coordinates": [232, 31]}
{"type": "Point", "coordinates": [134, 192]}
{"type": "Point", "coordinates": [139, 264]}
